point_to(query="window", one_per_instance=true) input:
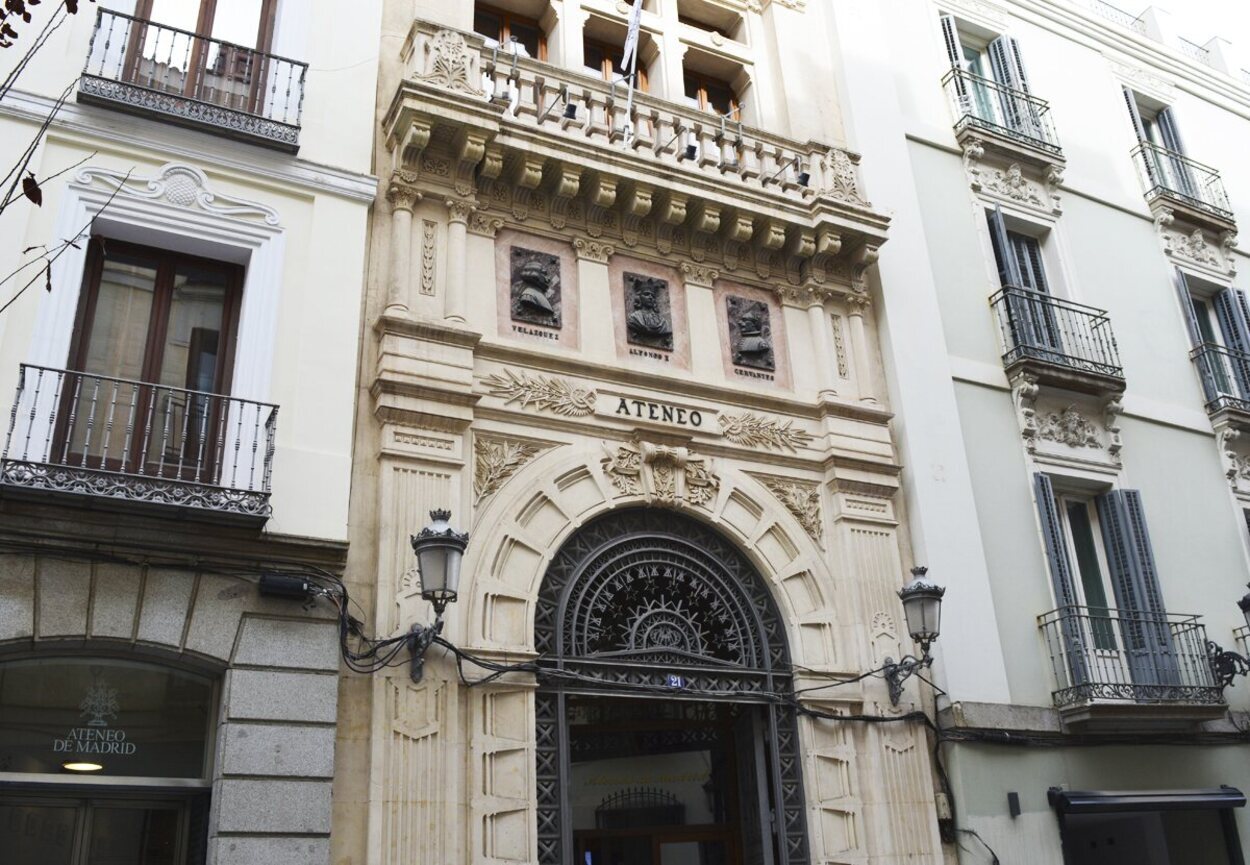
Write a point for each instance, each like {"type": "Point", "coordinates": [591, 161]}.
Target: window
{"type": "Point", "coordinates": [1033, 319]}
{"type": "Point", "coordinates": [1089, 563]}
{"type": "Point", "coordinates": [245, 23]}
{"type": "Point", "coordinates": [604, 60]}
{"type": "Point", "coordinates": [711, 94]}
{"type": "Point", "coordinates": [503, 27]}
{"type": "Point", "coordinates": [710, 17]}
{"type": "Point", "coordinates": [991, 83]}
{"type": "Point", "coordinates": [154, 341]}
{"type": "Point", "coordinates": [66, 723]}
{"type": "Point", "coordinates": [1218, 322]}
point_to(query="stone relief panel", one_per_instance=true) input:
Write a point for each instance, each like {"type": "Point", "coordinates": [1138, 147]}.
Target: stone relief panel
{"type": "Point", "coordinates": [1057, 429]}
{"type": "Point", "coordinates": [662, 473]}
{"type": "Point", "coordinates": [752, 328]}
{"type": "Point", "coordinates": [650, 318]}
{"type": "Point", "coordinates": [649, 313]}
{"type": "Point", "coordinates": [536, 290]}
{"type": "Point", "coordinates": [1192, 247]}
{"type": "Point", "coordinates": [995, 178]}
{"type": "Point", "coordinates": [750, 333]}
{"type": "Point", "coordinates": [498, 458]}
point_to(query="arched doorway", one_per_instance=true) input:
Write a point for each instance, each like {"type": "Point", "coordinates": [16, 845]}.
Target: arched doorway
{"type": "Point", "coordinates": [665, 735]}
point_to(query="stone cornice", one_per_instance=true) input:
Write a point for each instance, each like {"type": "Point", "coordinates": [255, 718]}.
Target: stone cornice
{"type": "Point", "coordinates": [174, 143]}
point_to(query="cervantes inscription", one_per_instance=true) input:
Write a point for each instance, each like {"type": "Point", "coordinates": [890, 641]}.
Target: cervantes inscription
{"type": "Point", "coordinates": [750, 333]}
{"type": "Point", "coordinates": [535, 280]}
{"type": "Point", "coordinates": [650, 319]}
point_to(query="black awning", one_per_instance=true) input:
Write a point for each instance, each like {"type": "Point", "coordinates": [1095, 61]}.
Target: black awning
{"type": "Point", "coordinates": [1104, 801]}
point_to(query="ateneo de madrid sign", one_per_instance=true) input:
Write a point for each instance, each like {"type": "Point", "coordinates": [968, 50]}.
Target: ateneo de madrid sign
{"type": "Point", "coordinates": [99, 704]}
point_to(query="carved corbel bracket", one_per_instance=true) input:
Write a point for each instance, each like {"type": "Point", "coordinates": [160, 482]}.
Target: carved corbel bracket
{"type": "Point", "coordinates": [1052, 180]}
{"type": "Point", "coordinates": [407, 156]}
{"type": "Point", "coordinates": [1112, 408]}
{"type": "Point", "coordinates": [470, 150]}
{"type": "Point", "coordinates": [864, 257]}
{"type": "Point", "coordinates": [1234, 466]}
{"type": "Point", "coordinates": [636, 202]}
{"type": "Point", "coordinates": [563, 183]}
{"type": "Point", "coordinates": [974, 152]}
{"type": "Point", "coordinates": [600, 197]}
{"type": "Point", "coordinates": [1024, 393]}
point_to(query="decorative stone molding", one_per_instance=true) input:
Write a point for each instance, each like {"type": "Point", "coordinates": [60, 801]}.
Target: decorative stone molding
{"type": "Point", "coordinates": [800, 498]}
{"type": "Point", "coordinates": [450, 64]}
{"type": "Point", "coordinates": [1112, 408]}
{"type": "Point", "coordinates": [698, 274]}
{"type": "Point", "coordinates": [1195, 248]}
{"type": "Point", "coordinates": [980, 11]}
{"type": "Point", "coordinates": [1012, 182]}
{"type": "Point", "coordinates": [181, 185]}
{"type": "Point", "coordinates": [484, 224]}
{"type": "Point", "coordinates": [429, 235]}
{"type": "Point", "coordinates": [459, 211]}
{"type": "Point", "coordinates": [662, 473]}
{"type": "Point", "coordinates": [542, 393]}
{"type": "Point", "coordinates": [495, 459]}
{"type": "Point", "coordinates": [839, 346]}
{"type": "Point", "coordinates": [1071, 428]}
{"type": "Point", "coordinates": [1145, 82]}
{"type": "Point", "coordinates": [593, 250]}
{"type": "Point", "coordinates": [1024, 393]}
{"type": "Point", "coordinates": [840, 181]}
{"type": "Point", "coordinates": [755, 431]}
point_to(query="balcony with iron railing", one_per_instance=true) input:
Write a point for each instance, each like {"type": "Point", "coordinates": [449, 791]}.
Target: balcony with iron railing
{"type": "Point", "coordinates": [1013, 120]}
{"type": "Point", "coordinates": [148, 68]}
{"type": "Point", "coordinates": [1225, 376]}
{"type": "Point", "coordinates": [1108, 663]}
{"type": "Point", "coordinates": [79, 434]}
{"type": "Point", "coordinates": [1063, 343]}
{"type": "Point", "coordinates": [1174, 180]}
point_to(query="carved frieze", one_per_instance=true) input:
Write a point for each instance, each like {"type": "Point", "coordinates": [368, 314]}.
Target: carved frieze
{"type": "Point", "coordinates": [535, 278]}
{"type": "Point", "coordinates": [754, 431]}
{"type": "Point", "coordinates": [665, 474]}
{"type": "Point", "coordinates": [1069, 427]}
{"type": "Point", "coordinates": [495, 459]}
{"type": "Point", "coordinates": [750, 333]}
{"type": "Point", "coordinates": [542, 392]}
{"type": "Point", "coordinates": [1026, 185]}
{"type": "Point", "coordinates": [650, 318]}
{"type": "Point", "coordinates": [801, 499]}
{"type": "Point", "coordinates": [449, 63]}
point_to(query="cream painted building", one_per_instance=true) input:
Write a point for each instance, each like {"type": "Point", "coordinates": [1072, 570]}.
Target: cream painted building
{"type": "Point", "coordinates": [1063, 318]}
{"type": "Point", "coordinates": [178, 412]}
{"type": "Point", "coordinates": [628, 342]}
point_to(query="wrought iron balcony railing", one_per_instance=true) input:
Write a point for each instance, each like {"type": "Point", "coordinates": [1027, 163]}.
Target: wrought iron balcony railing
{"type": "Point", "coordinates": [1225, 375]}
{"type": "Point", "coordinates": [1040, 327]}
{"type": "Point", "coordinates": [1174, 175]}
{"type": "Point", "coordinates": [1104, 655]}
{"type": "Point", "coordinates": [143, 66]}
{"type": "Point", "coordinates": [985, 104]}
{"type": "Point", "coordinates": [76, 432]}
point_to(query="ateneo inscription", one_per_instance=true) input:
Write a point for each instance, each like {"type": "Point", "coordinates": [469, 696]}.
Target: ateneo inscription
{"type": "Point", "coordinates": [750, 333]}
{"type": "Point", "coordinates": [650, 319]}
{"type": "Point", "coordinates": [535, 280]}
{"type": "Point", "coordinates": [658, 412]}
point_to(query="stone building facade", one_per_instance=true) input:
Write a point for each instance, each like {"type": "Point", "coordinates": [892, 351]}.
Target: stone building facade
{"type": "Point", "coordinates": [177, 422]}
{"type": "Point", "coordinates": [629, 342]}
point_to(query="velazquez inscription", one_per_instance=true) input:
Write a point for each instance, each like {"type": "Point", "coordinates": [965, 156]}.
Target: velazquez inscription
{"type": "Point", "coordinates": [535, 287]}
{"type": "Point", "coordinates": [750, 333]}
{"type": "Point", "coordinates": [650, 319]}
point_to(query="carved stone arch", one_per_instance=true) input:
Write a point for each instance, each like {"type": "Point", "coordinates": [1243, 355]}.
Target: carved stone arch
{"type": "Point", "coordinates": [522, 526]}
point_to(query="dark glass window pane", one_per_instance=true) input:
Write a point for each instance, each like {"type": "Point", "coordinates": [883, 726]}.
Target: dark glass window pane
{"type": "Point", "coordinates": [1091, 574]}
{"type": "Point", "coordinates": [691, 85]}
{"type": "Point", "coordinates": [134, 836]}
{"type": "Point", "coordinates": [526, 34]}
{"type": "Point", "coordinates": [720, 97]}
{"type": "Point", "coordinates": [125, 717]}
{"type": "Point", "coordinates": [37, 834]}
{"type": "Point", "coordinates": [487, 24]}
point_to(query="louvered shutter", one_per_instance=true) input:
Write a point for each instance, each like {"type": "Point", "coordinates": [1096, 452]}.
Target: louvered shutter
{"type": "Point", "coordinates": [1144, 629]}
{"type": "Point", "coordinates": [955, 54]}
{"type": "Point", "coordinates": [1169, 134]}
{"type": "Point", "coordinates": [1008, 71]}
{"type": "Point", "coordinates": [1207, 361]}
{"type": "Point", "coordinates": [1019, 311]}
{"type": "Point", "coordinates": [1179, 177]}
{"type": "Point", "coordinates": [1075, 644]}
{"type": "Point", "coordinates": [1234, 317]}
{"type": "Point", "coordinates": [1130, 101]}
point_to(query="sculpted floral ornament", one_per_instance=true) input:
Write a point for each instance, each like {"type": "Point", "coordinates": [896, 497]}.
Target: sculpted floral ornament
{"type": "Point", "coordinates": [802, 500]}
{"type": "Point", "coordinates": [662, 473]}
{"type": "Point", "coordinates": [449, 63]}
{"type": "Point", "coordinates": [754, 431]}
{"type": "Point", "coordinates": [1014, 185]}
{"type": "Point", "coordinates": [1193, 246]}
{"type": "Point", "coordinates": [1071, 428]}
{"type": "Point", "coordinates": [497, 459]}
{"type": "Point", "coordinates": [180, 185]}
{"type": "Point", "coordinates": [541, 392]}
{"type": "Point", "coordinates": [839, 176]}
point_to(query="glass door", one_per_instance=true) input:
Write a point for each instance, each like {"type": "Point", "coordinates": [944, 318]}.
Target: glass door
{"type": "Point", "coordinates": [56, 831]}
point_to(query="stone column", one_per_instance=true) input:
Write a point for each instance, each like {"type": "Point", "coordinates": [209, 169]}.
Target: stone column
{"type": "Point", "coordinates": [457, 261]}
{"type": "Point", "coordinates": [403, 199]}
{"type": "Point", "coordinates": [705, 337]}
{"type": "Point", "coordinates": [818, 321]}
{"type": "Point", "coordinates": [856, 307]}
{"type": "Point", "coordinates": [598, 336]}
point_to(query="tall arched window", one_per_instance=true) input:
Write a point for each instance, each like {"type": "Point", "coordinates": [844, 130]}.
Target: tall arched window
{"type": "Point", "coordinates": [665, 730]}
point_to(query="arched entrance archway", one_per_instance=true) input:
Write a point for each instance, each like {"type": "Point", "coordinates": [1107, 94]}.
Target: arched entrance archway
{"type": "Point", "coordinates": [661, 643]}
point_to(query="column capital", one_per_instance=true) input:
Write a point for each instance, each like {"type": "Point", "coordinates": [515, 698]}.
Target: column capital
{"type": "Point", "coordinates": [593, 250]}
{"type": "Point", "coordinates": [459, 210]}
{"type": "Point", "coordinates": [699, 274]}
{"type": "Point", "coordinates": [401, 195]}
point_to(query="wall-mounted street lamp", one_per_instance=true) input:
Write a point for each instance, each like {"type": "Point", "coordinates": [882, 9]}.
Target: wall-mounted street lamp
{"type": "Point", "coordinates": [439, 549]}
{"type": "Point", "coordinates": [922, 606]}
{"type": "Point", "coordinates": [1229, 665]}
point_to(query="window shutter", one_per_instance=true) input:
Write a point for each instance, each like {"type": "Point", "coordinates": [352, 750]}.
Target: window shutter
{"type": "Point", "coordinates": [1147, 639]}
{"type": "Point", "coordinates": [1168, 131]}
{"type": "Point", "coordinates": [1234, 317]}
{"type": "Point", "coordinates": [1007, 64]}
{"type": "Point", "coordinates": [1130, 100]}
{"type": "Point", "coordinates": [950, 38]}
{"type": "Point", "coordinates": [1004, 255]}
{"type": "Point", "coordinates": [1207, 361]}
{"type": "Point", "coordinates": [1060, 563]}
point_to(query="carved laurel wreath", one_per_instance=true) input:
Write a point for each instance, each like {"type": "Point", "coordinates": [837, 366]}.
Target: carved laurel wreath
{"type": "Point", "coordinates": [542, 392]}
{"type": "Point", "coordinates": [753, 431]}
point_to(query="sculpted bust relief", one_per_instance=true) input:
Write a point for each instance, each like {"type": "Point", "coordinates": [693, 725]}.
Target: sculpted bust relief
{"type": "Point", "coordinates": [750, 333]}
{"type": "Point", "coordinates": [535, 287]}
{"type": "Point", "coordinates": [649, 321]}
